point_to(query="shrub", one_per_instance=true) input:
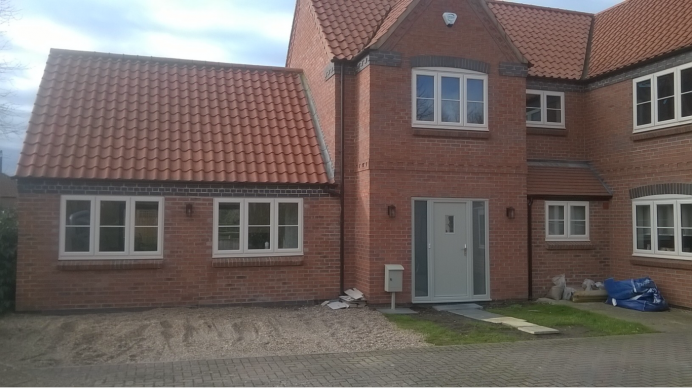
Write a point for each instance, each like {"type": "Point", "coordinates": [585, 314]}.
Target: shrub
{"type": "Point", "coordinates": [8, 258]}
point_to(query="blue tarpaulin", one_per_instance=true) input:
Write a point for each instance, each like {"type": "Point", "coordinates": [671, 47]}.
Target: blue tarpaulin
{"type": "Point", "coordinates": [636, 294]}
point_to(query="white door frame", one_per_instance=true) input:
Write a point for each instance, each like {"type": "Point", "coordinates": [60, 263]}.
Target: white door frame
{"type": "Point", "coordinates": [431, 250]}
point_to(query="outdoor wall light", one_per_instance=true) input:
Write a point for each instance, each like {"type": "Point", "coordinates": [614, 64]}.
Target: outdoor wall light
{"type": "Point", "coordinates": [510, 213]}
{"type": "Point", "coordinates": [391, 211]}
{"type": "Point", "coordinates": [188, 209]}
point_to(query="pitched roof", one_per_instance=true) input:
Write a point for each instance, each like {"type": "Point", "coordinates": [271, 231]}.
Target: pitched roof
{"type": "Point", "coordinates": [638, 30]}
{"type": "Point", "coordinates": [564, 179]}
{"type": "Point", "coordinates": [554, 41]}
{"type": "Point", "coordinates": [111, 116]}
{"type": "Point", "coordinates": [349, 26]}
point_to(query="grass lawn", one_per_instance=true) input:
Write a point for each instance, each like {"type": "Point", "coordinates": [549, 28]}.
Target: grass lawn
{"type": "Point", "coordinates": [439, 335]}
{"type": "Point", "coordinates": [443, 328]}
{"type": "Point", "coordinates": [557, 317]}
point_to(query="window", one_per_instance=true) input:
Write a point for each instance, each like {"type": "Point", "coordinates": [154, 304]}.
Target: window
{"type": "Point", "coordinates": [567, 221]}
{"type": "Point", "coordinates": [258, 227]}
{"type": "Point", "coordinates": [663, 99]}
{"type": "Point", "coordinates": [111, 227]}
{"type": "Point", "coordinates": [450, 98]}
{"type": "Point", "coordinates": [545, 109]}
{"type": "Point", "coordinates": [662, 226]}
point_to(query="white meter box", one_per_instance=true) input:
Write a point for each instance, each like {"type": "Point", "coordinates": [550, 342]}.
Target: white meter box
{"type": "Point", "coordinates": [393, 277]}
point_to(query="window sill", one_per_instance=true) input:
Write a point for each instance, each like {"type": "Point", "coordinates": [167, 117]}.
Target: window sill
{"type": "Point", "coordinates": [569, 245]}
{"type": "Point", "coordinates": [663, 132]}
{"type": "Point", "coordinates": [643, 261]}
{"type": "Point", "coordinates": [100, 265]}
{"type": "Point", "coordinates": [275, 261]}
{"type": "Point", "coordinates": [546, 131]}
{"type": "Point", "coordinates": [453, 133]}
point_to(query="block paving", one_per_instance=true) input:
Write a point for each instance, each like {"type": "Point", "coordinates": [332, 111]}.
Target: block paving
{"type": "Point", "coordinates": [642, 360]}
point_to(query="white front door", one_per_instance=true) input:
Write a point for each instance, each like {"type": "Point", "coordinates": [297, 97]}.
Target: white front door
{"type": "Point", "coordinates": [450, 262]}
{"type": "Point", "coordinates": [450, 258]}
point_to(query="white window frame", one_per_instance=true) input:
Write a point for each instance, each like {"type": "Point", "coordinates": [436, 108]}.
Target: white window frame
{"type": "Point", "coordinates": [463, 75]}
{"type": "Point", "coordinates": [652, 202]}
{"type": "Point", "coordinates": [243, 251]}
{"type": "Point", "coordinates": [677, 95]}
{"type": "Point", "coordinates": [567, 236]}
{"type": "Point", "coordinates": [544, 123]}
{"type": "Point", "coordinates": [94, 229]}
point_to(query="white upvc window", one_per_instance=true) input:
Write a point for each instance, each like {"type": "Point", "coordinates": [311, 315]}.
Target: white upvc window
{"type": "Point", "coordinates": [111, 227]}
{"type": "Point", "coordinates": [662, 226]}
{"type": "Point", "coordinates": [545, 109]}
{"type": "Point", "coordinates": [449, 99]}
{"type": "Point", "coordinates": [662, 99]}
{"type": "Point", "coordinates": [566, 221]}
{"type": "Point", "coordinates": [257, 227]}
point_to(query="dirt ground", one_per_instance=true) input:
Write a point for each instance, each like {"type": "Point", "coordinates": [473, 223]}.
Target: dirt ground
{"type": "Point", "coordinates": [192, 334]}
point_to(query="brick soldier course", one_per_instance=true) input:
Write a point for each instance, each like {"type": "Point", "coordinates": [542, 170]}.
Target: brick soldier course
{"type": "Point", "coordinates": [642, 360]}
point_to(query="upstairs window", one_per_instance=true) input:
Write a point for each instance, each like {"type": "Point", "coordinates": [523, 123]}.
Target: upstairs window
{"type": "Point", "coordinates": [450, 99]}
{"type": "Point", "coordinates": [663, 99]}
{"type": "Point", "coordinates": [663, 226]}
{"type": "Point", "coordinates": [96, 227]}
{"type": "Point", "coordinates": [545, 109]}
{"type": "Point", "coordinates": [566, 221]}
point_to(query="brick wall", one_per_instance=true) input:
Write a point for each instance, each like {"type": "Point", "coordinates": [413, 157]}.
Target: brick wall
{"type": "Point", "coordinates": [561, 144]}
{"type": "Point", "coordinates": [308, 52]}
{"type": "Point", "coordinates": [577, 260]}
{"type": "Point", "coordinates": [627, 162]}
{"type": "Point", "coordinates": [185, 276]}
{"type": "Point", "coordinates": [393, 164]}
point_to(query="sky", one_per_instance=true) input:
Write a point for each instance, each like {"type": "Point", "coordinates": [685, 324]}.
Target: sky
{"type": "Point", "coordinates": [236, 31]}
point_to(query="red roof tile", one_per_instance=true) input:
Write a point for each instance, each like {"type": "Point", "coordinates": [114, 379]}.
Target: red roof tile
{"type": "Point", "coordinates": [638, 30]}
{"type": "Point", "coordinates": [396, 12]}
{"type": "Point", "coordinates": [349, 26]}
{"type": "Point", "coordinates": [553, 40]}
{"type": "Point", "coordinates": [564, 179]}
{"type": "Point", "coordinates": [107, 116]}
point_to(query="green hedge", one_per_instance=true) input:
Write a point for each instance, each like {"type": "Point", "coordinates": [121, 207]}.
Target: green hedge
{"type": "Point", "coordinates": [8, 258]}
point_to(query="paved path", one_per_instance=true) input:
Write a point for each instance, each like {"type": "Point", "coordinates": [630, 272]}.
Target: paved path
{"type": "Point", "coordinates": [642, 360]}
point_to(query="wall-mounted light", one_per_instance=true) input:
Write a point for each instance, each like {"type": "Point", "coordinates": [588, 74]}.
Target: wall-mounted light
{"type": "Point", "coordinates": [510, 213]}
{"type": "Point", "coordinates": [188, 209]}
{"type": "Point", "coordinates": [391, 211]}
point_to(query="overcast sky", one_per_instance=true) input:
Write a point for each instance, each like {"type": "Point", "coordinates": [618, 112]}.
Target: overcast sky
{"type": "Point", "coordinates": [238, 31]}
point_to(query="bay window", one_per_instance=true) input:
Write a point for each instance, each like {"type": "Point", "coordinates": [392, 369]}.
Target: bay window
{"type": "Point", "coordinates": [566, 221]}
{"type": "Point", "coordinates": [663, 99]}
{"type": "Point", "coordinates": [450, 98]}
{"type": "Point", "coordinates": [662, 226]}
{"type": "Point", "coordinates": [258, 227]}
{"type": "Point", "coordinates": [545, 109]}
{"type": "Point", "coordinates": [99, 227]}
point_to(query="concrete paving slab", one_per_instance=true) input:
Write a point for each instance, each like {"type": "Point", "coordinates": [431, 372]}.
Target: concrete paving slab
{"type": "Point", "coordinates": [457, 306]}
{"type": "Point", "coordinates": [517, 323]}
{"type": "Point", "coordinates": [475, 314]}
{"type": "Point", "coordinates": [538, 330]}
{"type": "Point", "coordinates": [399, 310]}
{"type": "Point", "coordinates": [502, 319]}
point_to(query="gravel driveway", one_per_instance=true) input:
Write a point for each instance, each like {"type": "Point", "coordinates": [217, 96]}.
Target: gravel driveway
{"type": "Point", "coordinates": [192, 334]}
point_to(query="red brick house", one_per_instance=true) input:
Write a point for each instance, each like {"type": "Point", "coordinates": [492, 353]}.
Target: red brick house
{"type": "Point", "coordinates": [485, 146]}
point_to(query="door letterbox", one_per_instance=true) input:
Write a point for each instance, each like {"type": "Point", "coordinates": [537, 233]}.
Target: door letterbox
{"type": "Point", "coordinates": [393, 277]}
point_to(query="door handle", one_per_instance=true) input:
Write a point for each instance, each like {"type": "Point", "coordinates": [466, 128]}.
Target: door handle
{"type": "Point", "coordinates": [464, 249]}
